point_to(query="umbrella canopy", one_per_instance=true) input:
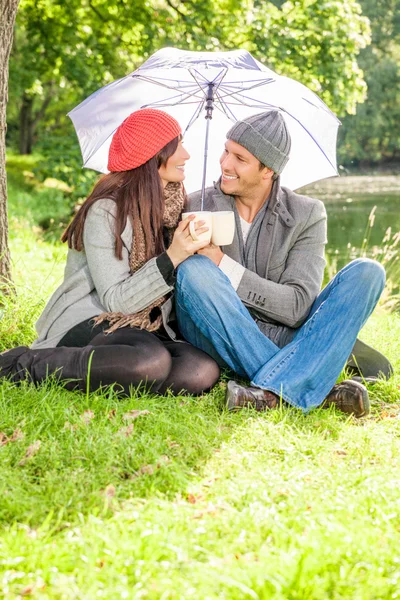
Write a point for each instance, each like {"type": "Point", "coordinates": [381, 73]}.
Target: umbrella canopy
{"type": "Point", "coordinates": [222, 87]}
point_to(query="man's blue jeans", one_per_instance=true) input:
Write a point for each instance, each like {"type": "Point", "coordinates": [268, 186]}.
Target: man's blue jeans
{"type": "Point", "coordinates": [212, 317]}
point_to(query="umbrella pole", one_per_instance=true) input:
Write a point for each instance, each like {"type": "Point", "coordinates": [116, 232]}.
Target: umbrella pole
{"type": "Point", "coordinates": [209, 108]}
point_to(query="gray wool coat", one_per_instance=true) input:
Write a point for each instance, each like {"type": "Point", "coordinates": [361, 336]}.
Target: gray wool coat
{"type": "Point", "coordinates": [284, 257]}
{"type": "Point", "coordinates": [95, 280]}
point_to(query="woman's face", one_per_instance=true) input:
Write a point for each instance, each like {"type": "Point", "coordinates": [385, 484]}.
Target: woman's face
{"type": "Point", "coordinates": [174, 169]}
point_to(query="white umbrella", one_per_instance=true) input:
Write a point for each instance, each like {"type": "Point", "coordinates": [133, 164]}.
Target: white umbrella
{"type": "Point", "coordinates": [221, 87]}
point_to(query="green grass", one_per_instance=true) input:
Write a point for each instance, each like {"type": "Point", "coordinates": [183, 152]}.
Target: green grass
{"type": "Point", "coordinates": [190, 501]}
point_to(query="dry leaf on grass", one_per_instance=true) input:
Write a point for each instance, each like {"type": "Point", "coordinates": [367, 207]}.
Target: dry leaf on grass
{"type": "Point", "coordinates": [110, 491]}
{"type": "Point", "coordinates": [112, 414]}
{"type": "Point", "coordinates": [163, 460]}
{"type": "Point", "coordinates": [146, 470]}
{"type": "Point", "coordinates": [126, 431]}
{"type": "Point", "coordinates": [27, 590]}
{"type": "Point", "coordinates": [17, 435]}
{"type": "Point", "coordinates": [31, 451]}
{"type": "Point", "coordinates": [149, 469]}
{"type": "Point", "coordinates": [341, 452]}
{"type": "Point", "coordinates": [134, 414]}
{"type": "Point", "coordinates": [194, 498]}
{"type": "Point", "coordinates": [173, 444]}
{"type": "Point", "coordinates": [87, 416]}
{"type": "Point", "coordinates": [70, 427]}
{"type": "Point", "coordinates": [391, 413]}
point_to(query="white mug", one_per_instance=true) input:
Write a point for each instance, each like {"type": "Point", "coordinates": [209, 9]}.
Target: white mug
{"type": "Point", "coordinates": [221, 226]}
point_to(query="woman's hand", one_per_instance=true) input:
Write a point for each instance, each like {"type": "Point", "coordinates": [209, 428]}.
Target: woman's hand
{"type": "Point", "coordinates": [182, 245]}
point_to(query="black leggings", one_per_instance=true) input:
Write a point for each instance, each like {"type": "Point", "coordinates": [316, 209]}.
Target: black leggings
{"type": "Point", "coordinates": [132, 356]}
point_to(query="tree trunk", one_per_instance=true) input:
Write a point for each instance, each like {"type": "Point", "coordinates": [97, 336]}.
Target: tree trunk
{"type": "Point", "coordinates": [25, 125]}
{"type": "Point", "coordinates": [8, 11]}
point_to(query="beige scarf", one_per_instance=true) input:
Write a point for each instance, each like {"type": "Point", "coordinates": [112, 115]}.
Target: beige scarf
{"type": "Point", "coordinates": [174, 202]}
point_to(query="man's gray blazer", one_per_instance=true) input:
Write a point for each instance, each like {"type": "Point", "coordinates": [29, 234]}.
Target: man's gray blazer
{"type": "Point", "coordinates": [284, 257]}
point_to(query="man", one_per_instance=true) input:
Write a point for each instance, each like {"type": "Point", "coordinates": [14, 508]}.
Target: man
{"type": "Point", "coordinates": [255, 305]}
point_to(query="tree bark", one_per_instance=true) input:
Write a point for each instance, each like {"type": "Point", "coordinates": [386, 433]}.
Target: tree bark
{"type": "Point", "coordinates": [8, 12]}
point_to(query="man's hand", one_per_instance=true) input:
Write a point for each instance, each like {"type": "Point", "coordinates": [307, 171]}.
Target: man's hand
{"type": "Point", "coordinates": [212, 252]}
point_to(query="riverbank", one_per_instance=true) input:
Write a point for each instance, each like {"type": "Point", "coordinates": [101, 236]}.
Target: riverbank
{"type": "Point", "coordinates": [353, 184]}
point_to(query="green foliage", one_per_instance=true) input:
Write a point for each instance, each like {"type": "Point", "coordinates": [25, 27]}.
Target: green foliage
{"type": "Point", "coordinates": [36, 204]}
{"type": "Point", "coordinates": [373, 134]}
{"type": "Point", "coordinates": [316, 43]}
{"type": "Point", "coordinates": [63, 51]}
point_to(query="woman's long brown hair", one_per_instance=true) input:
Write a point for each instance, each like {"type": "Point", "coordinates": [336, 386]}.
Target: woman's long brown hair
{"type": "Point", "coordinates": [138, 195]}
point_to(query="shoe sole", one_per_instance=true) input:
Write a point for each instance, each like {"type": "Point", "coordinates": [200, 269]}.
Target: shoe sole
{"type": "Point", "coordinates": [228, 404]}
{"type": "Point", "coordinates": [365, 405]}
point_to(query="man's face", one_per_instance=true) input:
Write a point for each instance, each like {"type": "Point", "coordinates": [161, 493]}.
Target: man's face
{"type": "Point", "coordinates": [240, 170]}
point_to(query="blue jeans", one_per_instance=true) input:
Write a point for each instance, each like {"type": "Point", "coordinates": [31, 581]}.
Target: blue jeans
{"type": "Point", "coordinates": [212, 317]}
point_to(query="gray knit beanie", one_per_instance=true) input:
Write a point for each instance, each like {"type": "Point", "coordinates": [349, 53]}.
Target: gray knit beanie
{"type": "Point", "coordinates": [266, 136]}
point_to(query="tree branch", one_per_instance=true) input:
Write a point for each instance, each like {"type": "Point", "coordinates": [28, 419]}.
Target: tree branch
{"type": "Point", "coordinates": [96, 12]}
{"type": "Point", "coordinates": [184, 17]}
{"type": "Point", "coordinates": [39, 114]}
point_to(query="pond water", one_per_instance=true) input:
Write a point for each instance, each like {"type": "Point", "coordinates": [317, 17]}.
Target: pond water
{"type": "Point", "coordinates": [349, 212]}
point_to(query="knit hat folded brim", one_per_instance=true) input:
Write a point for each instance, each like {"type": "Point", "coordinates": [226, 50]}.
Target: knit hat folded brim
{"type": "Point", "coordinates": [266, 137]}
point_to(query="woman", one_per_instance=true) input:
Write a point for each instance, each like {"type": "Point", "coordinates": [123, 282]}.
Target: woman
{"type": "Point", "coordinates": [108, 321]}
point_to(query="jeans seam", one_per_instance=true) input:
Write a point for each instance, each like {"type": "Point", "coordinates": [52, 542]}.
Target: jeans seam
{"type": "Point", "coordinates": [281, 364]}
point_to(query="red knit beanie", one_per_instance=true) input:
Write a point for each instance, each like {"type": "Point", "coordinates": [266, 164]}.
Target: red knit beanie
{"type": "Point", "coordinates": [140, 137]}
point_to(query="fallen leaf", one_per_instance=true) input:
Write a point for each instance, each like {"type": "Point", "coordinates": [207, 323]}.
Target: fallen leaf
{"type": "Point", "coordinates": [110, 491]}
{"type": "Point", "coordinates": [70, 427]}
{"type": "Point", "coordinates": [28, 590]}
{"type": "Point", "coordinates": [341, 452]}
{"type": "Point", "coordinates": [31, 451]}
{"type": "Point", "coordinates": [87, 416]}
{"type": "Point", "coordinates": [126, 431]}
{"type": "Point", "coordinates": [389, 414]}
{"type": "Point", "coordinates": [134, 414]}
{"type": "Point", "coordinates": [147, 470]}
{"type": "Point", "coordinates": [112, 414]}
{"type": "Point", "coordinates": [191, 498]}
{"type": "Point", "coordinates": [163, 460]}
{"type": "Point", "coordinates": [173, 444]}
{"type": "Point", "coordinates": [14, 437]}
{"type": "Point", "coordinates": [18, 434]}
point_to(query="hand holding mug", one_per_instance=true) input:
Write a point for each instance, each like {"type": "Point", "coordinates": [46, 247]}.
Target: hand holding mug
{"type": "Point", "coordinates": [221, 226]}
{"type": "Point", "coordinates": [183, 245]}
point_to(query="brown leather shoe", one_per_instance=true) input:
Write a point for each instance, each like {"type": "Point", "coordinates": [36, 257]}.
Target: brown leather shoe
{"type": "Point", "coordinates": [239, 396]}
{"type": "Point", "coordinates": [351, 397]}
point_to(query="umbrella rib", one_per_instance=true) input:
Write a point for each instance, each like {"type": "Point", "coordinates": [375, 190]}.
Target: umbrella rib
{"type": "Point", "coordinates": [227, 85]}
{"type": "Point", "coordinates": [223, 107]}
{"type": "Point", "coordinates": [170, 87]}
{"type": "Point", "coordinates": [195, 116]}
